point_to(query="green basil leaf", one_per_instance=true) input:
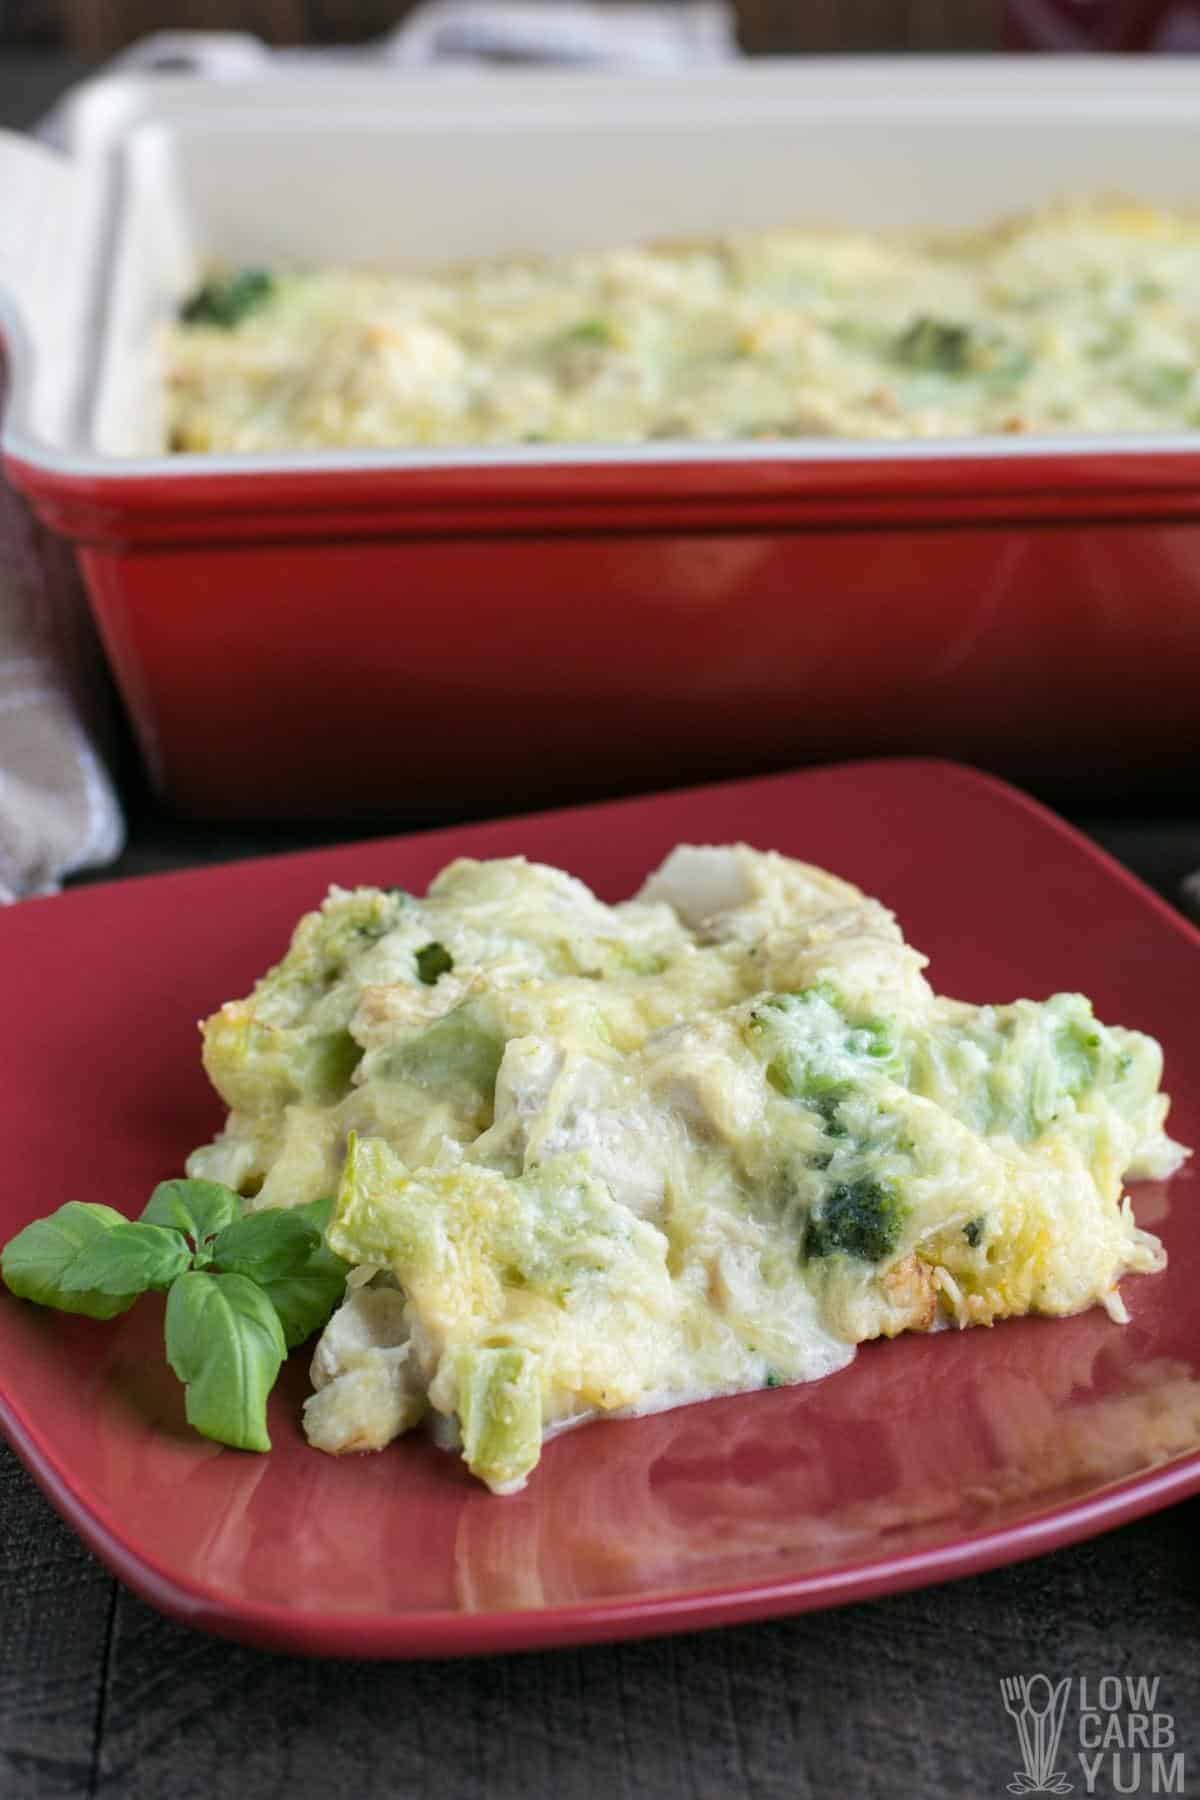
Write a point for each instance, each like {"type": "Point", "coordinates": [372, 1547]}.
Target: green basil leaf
{"type": "Point", "coordinates": [197, 1208]}
{"type": "Point", "coordinates": [317, 1212]}
{"type": "Point", "coordinates": [321, 1259]}
{"type": "Point", "coordinates": [306, 1294]}
{"type": "Point", "coordinates": [127, 1260]}
{"type": "Point", "coordinates": [305, 1302]}
{"type": "Point", "coordinates": [267, 1244]}
{"type": "Point", "coordinates": [35, 1262]}
{"type": "Point", "coordinates": [305, 1299]}
{"type": "Point", "coordinates": [225, 1343]}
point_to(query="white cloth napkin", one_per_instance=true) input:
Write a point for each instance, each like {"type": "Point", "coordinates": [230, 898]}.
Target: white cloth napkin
{"type": "Point", "coordinates": [635, 34]}
{"type": "Point", "coordinates": [58, 810]}
{"type": "Point", "coordinates": [626, 36]}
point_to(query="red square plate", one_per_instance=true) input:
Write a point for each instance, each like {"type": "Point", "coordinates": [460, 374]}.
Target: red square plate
{"type": "Point", "coordinates": [928, 1458]}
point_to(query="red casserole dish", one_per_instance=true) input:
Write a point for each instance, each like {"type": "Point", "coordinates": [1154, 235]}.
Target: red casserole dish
{"type": "Point", "coordinates": [321, 633]}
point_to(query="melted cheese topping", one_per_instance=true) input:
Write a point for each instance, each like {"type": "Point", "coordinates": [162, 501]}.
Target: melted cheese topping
{"type": "Point", "coordinates": [1082, 318]}
{"type": "Point", "coordinates": [597, 1159]}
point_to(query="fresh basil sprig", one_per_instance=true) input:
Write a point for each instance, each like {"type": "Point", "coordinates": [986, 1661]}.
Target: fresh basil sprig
{"type": "Point", "coordinates": [242, 1288]}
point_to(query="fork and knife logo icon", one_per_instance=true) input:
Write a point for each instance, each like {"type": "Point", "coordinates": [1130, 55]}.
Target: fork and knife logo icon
{"type": "Point", "coordinates": [1037, 1708]}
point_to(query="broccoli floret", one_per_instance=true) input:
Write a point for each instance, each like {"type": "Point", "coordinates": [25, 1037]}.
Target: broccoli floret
{"type": "Point", "coordinates": [326, 942]}
{"type": "Point", "coordinates": [500, 1412]}
{"type": "Point", "coordinates": [1078, 1046]}
{"type": "Point", "coordinates": [291, 1040]}
{"type": "Point", "coordinates": [773, 1380]}
{"type": "Point", "coordinates": [457, 1048]}
{"type": "Point", "coordinates": [935, 344]}
{"type": "Point", "coordinates": [1018, 1069]}
{"type": "Point", "coordinates": [815, 1053]}
{"type": "Point", "coordinates": [824, 1098]}
{"type": "Point", "coordinates": [860, 1218]}
{"type": "Point", "coordinates": [589, 331]}
{"type": "Point", "coordinates": [943, 348]}
{"type": "Point", "coordinates": [322, 1066]}
{"type": "Point", "coordinates": [226, 301]}
{"type": "Point", "coordinates": [973, 1232]}
{"type": "Point", "coordinates": [1159, 383]}
{"type": "Point", "coordinates": [433, 961]}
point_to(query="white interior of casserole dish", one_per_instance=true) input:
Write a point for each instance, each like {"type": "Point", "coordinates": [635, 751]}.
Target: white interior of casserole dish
{"type": "Point", "coordinates": [376, 168]}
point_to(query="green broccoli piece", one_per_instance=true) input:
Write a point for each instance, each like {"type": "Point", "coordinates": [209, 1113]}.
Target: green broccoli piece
{"type": "Point", "coordinates": [456, 1049]}
{"type": "Point", "coordinates": [1038, 1057]}
{"type": "Point", "coordinates": [321, 1066]}
{"type": "Point", "coordinates": [859, 1218]}
{"type": "Point", "coordinates": [291, 1040]}
{"type": "Point", "coordinates": [433, 961]}
{"type": "Point", "coordinates": [1079, 1049]}
{"type": "Point", "coordinates": [224, 301]}
{"type": "Point", "coordinates": [936, 345]}
{"type": "Point", "coordinates": [589, 331]}
{"type": "Point", "coordinates": [500, 1411]}
{"type": "Point", "coordinates": [973, 1232]}
{"type": "Point", "coordinates": [1159, 383]}
{"type": "Point", "coordinates": [814, 1053]}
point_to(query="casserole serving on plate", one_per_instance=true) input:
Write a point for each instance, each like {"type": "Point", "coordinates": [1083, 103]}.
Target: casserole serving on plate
{"type": "Point", "coordinates": [320, 630]}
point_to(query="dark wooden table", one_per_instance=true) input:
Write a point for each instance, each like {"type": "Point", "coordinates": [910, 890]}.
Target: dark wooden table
{"type": "Point", "coordinates": [100, 1696]}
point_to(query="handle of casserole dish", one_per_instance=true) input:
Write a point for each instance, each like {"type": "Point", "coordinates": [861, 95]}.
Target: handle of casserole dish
{"type": "Point", "coordinates": [36, 190]}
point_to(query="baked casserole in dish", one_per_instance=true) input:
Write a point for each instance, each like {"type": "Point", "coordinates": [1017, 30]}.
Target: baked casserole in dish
{"type": "Point", "coordinates": [582, 519]}
{"type": "Point", "coordinates": [1085, 317]}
